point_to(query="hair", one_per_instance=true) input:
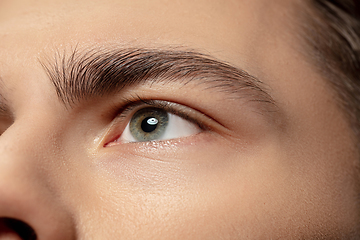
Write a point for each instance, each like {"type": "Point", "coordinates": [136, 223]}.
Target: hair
{"type": "Point", "coordinates": [332, 32]}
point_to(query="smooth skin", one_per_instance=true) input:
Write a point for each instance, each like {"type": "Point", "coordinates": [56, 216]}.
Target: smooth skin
{"type": "Point", "coordinates": [284, 175]}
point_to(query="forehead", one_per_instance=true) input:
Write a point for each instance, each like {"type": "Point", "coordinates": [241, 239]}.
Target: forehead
{"type": "Point", "coordinates": [224, 27]}
{"type": "Point", "coordinates": [249, 34]}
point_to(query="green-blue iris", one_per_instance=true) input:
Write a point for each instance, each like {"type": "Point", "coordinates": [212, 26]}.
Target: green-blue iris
{"type": "Point", "coordinates": [149, 124]}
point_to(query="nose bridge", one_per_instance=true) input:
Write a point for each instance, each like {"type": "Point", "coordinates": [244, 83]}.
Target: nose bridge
{"type": "Point", "coordinates": [25, 192]}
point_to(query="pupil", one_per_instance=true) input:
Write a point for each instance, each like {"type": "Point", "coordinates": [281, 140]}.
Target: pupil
{"type": "Point", "coordinates": [149, 124]}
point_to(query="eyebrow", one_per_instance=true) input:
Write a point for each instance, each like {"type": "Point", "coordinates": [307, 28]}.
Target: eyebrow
{"type": "Point", "coordinates": [91, 73]}
{"type": "Point", "coordinates": [4, 107]}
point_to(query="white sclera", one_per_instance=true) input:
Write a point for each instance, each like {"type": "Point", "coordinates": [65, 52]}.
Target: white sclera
{"type": "Point", "coordinates": [177, 127]}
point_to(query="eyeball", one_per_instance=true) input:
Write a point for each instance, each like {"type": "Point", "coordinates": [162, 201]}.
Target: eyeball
{"type": "Point", "coordinates": [154, 124]}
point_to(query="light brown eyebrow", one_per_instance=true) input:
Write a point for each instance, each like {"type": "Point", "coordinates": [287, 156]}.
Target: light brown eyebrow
{"type": "Point", "coordinates": [83, 75]}
{"type": "Point", "coordinates": [4, 110]}
{"type": "Point", "coordinates": [4, 107]}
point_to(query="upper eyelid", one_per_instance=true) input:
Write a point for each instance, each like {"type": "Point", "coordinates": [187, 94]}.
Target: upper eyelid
{"type": "Point", "coordinates": [178, 109]}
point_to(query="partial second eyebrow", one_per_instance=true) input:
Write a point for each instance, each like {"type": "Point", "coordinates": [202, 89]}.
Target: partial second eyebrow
{"type": "Point", "coordinates": [4, 107]}
{"type": "Point", "coordinates": [91, 73]}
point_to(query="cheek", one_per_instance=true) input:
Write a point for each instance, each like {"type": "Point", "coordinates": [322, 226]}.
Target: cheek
{"type": "Point", "coordinates": [322, 182]}
{"type": "Point", "coordinates": [217, 190]}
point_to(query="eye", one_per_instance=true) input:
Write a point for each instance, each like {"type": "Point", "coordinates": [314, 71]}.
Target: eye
{"type": "Point", "coordinates": [152, 124]}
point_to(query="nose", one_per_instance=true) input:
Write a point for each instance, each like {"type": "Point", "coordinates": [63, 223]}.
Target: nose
{"type": "Point", "coordinates": [29, 207]}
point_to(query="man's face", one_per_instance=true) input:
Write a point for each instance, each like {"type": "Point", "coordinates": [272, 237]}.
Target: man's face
{"type": "Point", "coordinates": [168, 120]}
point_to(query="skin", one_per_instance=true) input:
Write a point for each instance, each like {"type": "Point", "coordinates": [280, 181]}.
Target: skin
{"type": "Point", "coordinates": [286, 175]}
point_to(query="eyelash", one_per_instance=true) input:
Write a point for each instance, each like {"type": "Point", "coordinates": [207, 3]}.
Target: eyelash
{"type": "Point", "coordinates": [137, 103]}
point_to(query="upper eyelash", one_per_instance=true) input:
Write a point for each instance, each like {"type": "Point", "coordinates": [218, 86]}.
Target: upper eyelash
{"type": "Point", "coordinates": [165, 105]}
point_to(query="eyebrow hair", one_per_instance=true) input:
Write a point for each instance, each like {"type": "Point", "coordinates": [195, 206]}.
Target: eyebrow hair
{"type": "Point", "coordinates": [4, 108]}
{"type": "Point", "coordinates": [83, 75]}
